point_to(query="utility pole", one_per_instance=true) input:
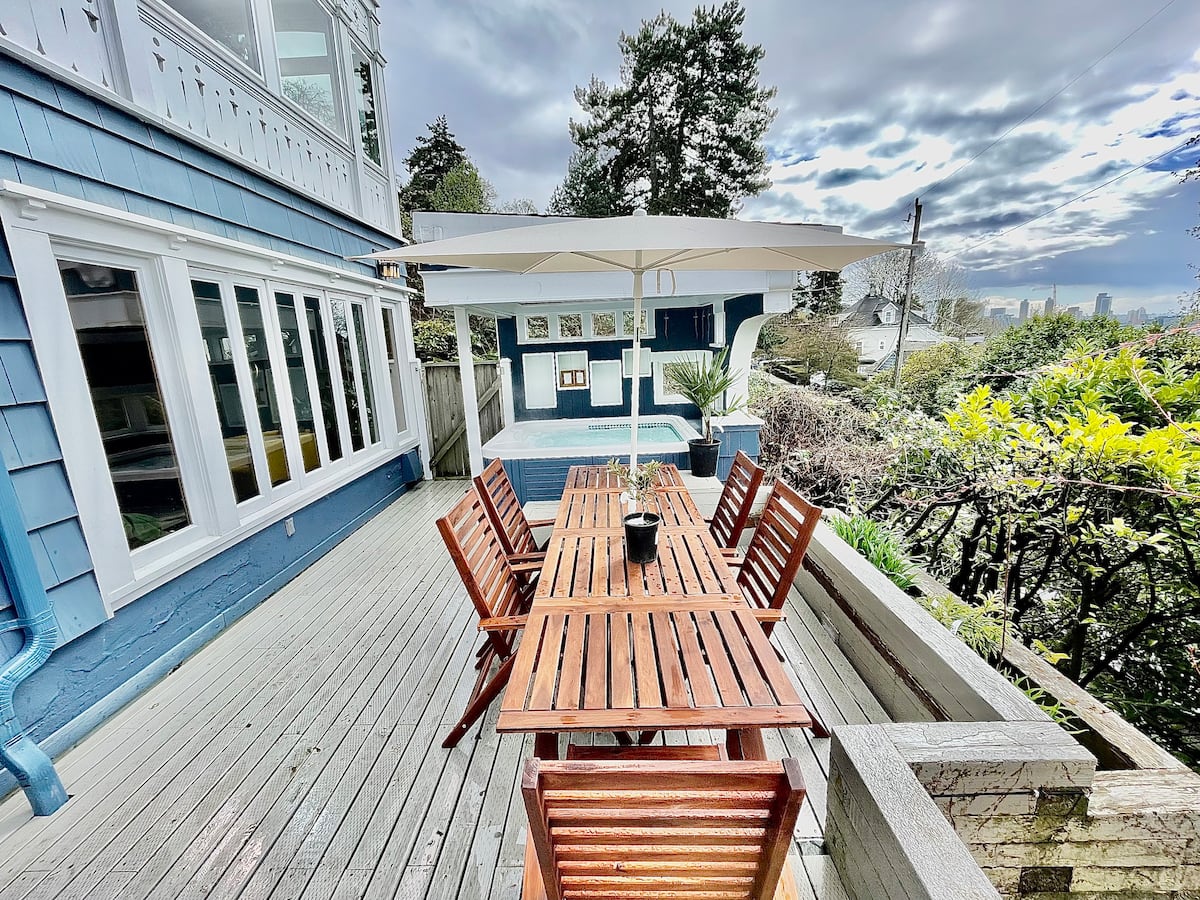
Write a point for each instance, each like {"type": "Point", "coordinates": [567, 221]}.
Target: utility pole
{"type": "Point", "coordinates": [908, 289]}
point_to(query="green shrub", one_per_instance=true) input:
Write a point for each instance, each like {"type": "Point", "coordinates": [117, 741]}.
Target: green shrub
{"type": "Point", "coordinates": [880, 547]}
{"type": "Point", "coordinates": [979, 627]}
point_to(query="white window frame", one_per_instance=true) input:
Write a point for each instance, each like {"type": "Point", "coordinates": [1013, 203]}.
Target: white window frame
{"type": "Point", "coordinates": [553, 374]}
{"type": "Point", "coordinates": [559, 368]}
{"type": "Point", "coordinates": [405, 360]}
{"type": "Point", "coordinates": [606, 365]}
{"type": "Point", "coordinates": [554, 330]}
{"type": "Point", "coordinates": [310, 368]}
{"type": "Point", "coordinates": [78, 428]}
{"type": "Point", "coordinates": [339, 67]}
{"type": "Point", "coordinates": [42, 227]}
{"type": "Point", "coordinates": [658, 363]}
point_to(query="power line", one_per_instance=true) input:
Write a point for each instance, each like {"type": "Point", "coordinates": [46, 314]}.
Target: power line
{"type": "Point", "coordinates": [1050, 99]}
{"type": "Point", "coordinates": [1088, 193]}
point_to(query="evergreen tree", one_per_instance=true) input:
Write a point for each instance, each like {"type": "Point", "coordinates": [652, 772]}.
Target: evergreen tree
{"type": "Point", "coordinates": [819, 293]}
{"type": "Point", "coordinates": [585, 190]}
{"type": "Point", "coordinates": [682, 132]}
{"type": "Point", "coordinates": [435, 156]}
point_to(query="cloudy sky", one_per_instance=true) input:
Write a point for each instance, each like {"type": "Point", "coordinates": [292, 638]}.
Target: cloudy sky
{"type": "Point", "coordinates": [878, 102]}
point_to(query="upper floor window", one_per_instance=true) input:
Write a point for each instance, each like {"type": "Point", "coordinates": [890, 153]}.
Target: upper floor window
{"type": "Point", "coordinates": [228, 22]}
{"type": "Point", "coordinates": [308, 69]}
{"type": "Point", "coordinates": [364, 98]}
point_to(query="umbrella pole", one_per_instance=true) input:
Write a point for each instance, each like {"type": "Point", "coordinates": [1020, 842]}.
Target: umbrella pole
{"type": "Point", "coordinates": [635, 397]}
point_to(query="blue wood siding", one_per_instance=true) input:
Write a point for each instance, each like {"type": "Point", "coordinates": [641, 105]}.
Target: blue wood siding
{"type": "Point", "coordinates": [29, 450]}
{"type": "Point", "coordinates": [733, 439]}
{"type": "Point", "coordinates": [57, 138]}
{"type": "Point", "coordinates": [684, 328]}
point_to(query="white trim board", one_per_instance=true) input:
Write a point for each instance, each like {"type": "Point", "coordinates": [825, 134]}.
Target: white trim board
{"type": "Point", "coordinates": [41, 231]}
{"type": "Point", "coordinates": [58, 214]}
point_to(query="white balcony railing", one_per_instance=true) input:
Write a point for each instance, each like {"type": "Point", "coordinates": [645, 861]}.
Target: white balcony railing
{"type": "Point", "coordinates": [136, 53]}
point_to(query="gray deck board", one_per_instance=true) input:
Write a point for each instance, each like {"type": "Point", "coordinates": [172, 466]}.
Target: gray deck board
{"type": "Point", "coordinates": [298, 754]}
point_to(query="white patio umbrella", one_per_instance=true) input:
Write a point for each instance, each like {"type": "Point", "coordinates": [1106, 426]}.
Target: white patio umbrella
{"type": "Point", "coordinates": [641, 243]}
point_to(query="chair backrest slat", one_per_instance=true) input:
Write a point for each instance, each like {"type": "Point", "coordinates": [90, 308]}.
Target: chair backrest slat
{"type": "Point", "coordinates": [479, 557]}
{"type": "Point", "coordinates": [661, 828]}
{"type": "Point", "coordinates": [777, 549]}
{"type": "Point", "coordinates": [504, 508]}
{"type": "Point", "coordinates": [737, 500]}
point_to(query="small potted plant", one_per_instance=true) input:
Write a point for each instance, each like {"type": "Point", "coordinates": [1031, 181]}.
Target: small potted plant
{"type": "Point", "coordinates": [705, 385]}
{"type": "Point", "coordinates": [641, 525]}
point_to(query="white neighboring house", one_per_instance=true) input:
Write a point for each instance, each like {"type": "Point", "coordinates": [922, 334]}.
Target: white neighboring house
{"type": "Point", "coordinates": [873, 327]}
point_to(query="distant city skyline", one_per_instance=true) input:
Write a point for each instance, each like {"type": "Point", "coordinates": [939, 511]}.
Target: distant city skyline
{"type": "Point", "coordinates": [1083, 296]}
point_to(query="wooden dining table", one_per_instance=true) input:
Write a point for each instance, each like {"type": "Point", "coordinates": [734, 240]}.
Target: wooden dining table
{"type": "Point", "coordinates": [620, 647]}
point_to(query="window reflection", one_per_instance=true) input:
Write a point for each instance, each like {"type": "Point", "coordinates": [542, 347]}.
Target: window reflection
{"type": "Point", "coordinates": [110, 327]}
{"type": "Point", "coordinates": [394, 366]}
{"type": "Point", "coordinates": [219, 352]}
{"type": "Point", "coordinates": [228, 22]}
{"type": "Point", "coordinates": [307, 59]}
{"type": "Point", "coordinates": [364, 99]}
{"type": "Point", "coordinates": [341, 334]}
{"type": "Point", "coordinates": [316, 339]}
{"type": "Point", "coordinates": [293, 352]}
{"type": "Point", "coordinates": [254, 333]}
{"type": "Point", "coordinates": [364, 367]}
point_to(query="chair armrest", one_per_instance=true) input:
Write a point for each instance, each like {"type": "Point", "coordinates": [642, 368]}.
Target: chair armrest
{"type": "Point", "coordinates": [502, 623]}
{"type": "Point", "coordinates": [732, 558]}
{"type": "Point", "coordinates": [518, 558]}
{"type": "Point", "coordinates": [540, 523]}
{"type": "Point", "coordinates": [534, 566]}
{"type": "Point", "coordinates": [769, 615]}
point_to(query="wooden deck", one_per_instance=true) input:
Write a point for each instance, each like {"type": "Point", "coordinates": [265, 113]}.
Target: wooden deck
{"type": "Point", "coordinates": [297, 755]}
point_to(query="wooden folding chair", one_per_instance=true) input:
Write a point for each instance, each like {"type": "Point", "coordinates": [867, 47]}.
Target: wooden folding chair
{"type": "Point", "coordinates": [775, 554]}
{"type": "Point", "coordinates": [736, 503]}
{"type": "Point", "coordinates": [660, 828]}
{"type": "Point", "coordinates": [501, 599]}
{"type": "Point", "coordinates": [777, 549]}
{"type": "Point", "coordinates": [504, 509]}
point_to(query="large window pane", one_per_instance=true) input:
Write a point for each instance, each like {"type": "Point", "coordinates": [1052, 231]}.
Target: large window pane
{"type": "Point", "coordinates": [110, 328]}
{"type": "Point", "coordinates": [341, 334]}
{"type": "Point", "coordinates": [364, 367]}
{"type": "Point", "coordinates": [226, 390]}
{"type": "Point", "coordinates": [316, 339]}
{"type": "Point", "coordinates": [307, 59]}
{"type": "Point", "coordinates": [293, 351]}
{"type": "Point", "coordinates": [395, 371]}
{"type": "Point", "coordinates": [254, 333]}
{"type": "Point", "coordinates": [364, 100]}
{"type": "Point", "coordinates": [228, 22]}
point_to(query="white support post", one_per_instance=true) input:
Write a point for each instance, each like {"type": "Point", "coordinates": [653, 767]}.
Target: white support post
{"type": "Point", "coordinates": [466, 369]}
{"type": "Point", "coordinates": [506, 392]}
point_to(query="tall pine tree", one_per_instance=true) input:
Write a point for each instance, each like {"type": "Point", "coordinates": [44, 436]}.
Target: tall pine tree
{"type": "Point", "coordinates": [682, 132]}
{"type": "Point", "coordinates": [434, 157]}
{"type": "Point", "coordinates": [586, 190]}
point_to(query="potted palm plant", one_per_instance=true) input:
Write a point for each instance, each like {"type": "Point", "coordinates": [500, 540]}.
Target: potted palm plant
{"type": "Point", "coordinates": [705, 383]}
{"type": "Point", "coordinates": [641, 525]}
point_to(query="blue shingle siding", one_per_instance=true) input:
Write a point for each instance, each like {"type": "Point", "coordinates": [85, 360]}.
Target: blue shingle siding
{"type": "Point", "coordinates": [29, 450]}
{"type": "Point", "coordinates": [56, 138]}
{"type": "Point", "coordinates": [684, 328]}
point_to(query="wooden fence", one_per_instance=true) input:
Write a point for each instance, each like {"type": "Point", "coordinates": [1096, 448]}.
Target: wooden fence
{"type": "Point", "coordinates": [447, 423]}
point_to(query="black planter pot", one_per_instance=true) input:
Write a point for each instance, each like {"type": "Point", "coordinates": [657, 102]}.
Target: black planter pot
{"type": "Point", "coordinates": [704, 457]}
{"type": "Point", "coordinates": [641, 540]}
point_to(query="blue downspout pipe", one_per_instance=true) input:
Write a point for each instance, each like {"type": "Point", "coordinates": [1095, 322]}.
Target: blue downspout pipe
{"type": "Point", "coordinates": [19, 753]}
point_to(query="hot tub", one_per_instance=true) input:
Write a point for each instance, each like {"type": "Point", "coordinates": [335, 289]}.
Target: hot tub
{"type": "Point", "coordinates": [538, 454]}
